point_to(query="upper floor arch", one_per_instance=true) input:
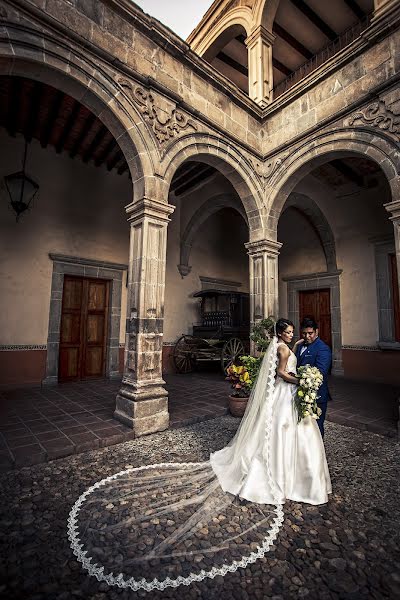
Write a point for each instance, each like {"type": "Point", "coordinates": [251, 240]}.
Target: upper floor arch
{"type": "Point", "coordinates": [280, 42]}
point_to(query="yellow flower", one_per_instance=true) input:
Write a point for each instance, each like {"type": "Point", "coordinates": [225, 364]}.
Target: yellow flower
{"type": "Point", "coordinates": [300, 393]}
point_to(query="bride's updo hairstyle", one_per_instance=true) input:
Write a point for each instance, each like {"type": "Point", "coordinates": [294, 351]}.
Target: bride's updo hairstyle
{"type": "Point", "coordinates": [281, 325]}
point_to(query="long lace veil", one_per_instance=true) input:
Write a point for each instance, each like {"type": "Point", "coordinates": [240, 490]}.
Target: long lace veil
{"type": "Point", "coordinates": [172, 524]}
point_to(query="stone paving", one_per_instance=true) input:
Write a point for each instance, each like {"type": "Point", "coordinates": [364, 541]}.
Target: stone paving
{"type": "Point", "coordinates": [40, 424]}
{"type": "Point", "coordinates": [345, 550]}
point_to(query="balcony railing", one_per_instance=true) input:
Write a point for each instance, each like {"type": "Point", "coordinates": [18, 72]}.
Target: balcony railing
{"type": "Point", "coordinates": [325, 54]}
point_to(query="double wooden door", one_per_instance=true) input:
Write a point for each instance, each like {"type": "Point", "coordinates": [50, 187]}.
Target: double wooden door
{"type": "Point", "coordinates": [317, 304]}
{"type": "Point", "coordinates": [83, 332]}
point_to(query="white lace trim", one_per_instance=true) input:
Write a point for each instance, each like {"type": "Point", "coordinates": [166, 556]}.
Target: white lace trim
{"type": "Point", "coordinates": [136, 584]}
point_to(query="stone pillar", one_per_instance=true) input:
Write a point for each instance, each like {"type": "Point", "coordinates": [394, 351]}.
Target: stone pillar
{"type": "Point", "coordinates": [263, 279]}
{"type": "Point", "coordinates": [394, 209]}
{"type": "Point", "coordinates": [142, 402]}
{"type": "Point", "coordinates": [259, 45]}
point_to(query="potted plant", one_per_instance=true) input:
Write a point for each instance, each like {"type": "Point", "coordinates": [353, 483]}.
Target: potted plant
{"type": "Point", "coordinates": [242, 377]}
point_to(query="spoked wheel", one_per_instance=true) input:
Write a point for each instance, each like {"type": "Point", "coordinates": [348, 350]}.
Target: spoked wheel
{"type": "Point", "coordinates": [231, 351]}
{"type": "Point", "coordinates": [184, 354]}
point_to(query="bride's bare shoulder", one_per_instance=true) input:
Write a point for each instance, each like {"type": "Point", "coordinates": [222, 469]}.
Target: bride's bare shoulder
{"type": "Point", "coordinates": [283, 349]}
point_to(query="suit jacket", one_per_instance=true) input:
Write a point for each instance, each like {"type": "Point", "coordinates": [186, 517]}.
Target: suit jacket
{"type": "Point", "coordinates": [319, 355]}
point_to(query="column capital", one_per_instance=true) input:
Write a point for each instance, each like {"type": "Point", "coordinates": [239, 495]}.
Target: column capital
{"type": "Point", "coordinates": [260, 32]}
{"type": "Point", "coordinates": [394, 209]}
{"type": "Point", "coordinates": [263, 246]}
{"type": "Point", "coordinates": [149, 208]}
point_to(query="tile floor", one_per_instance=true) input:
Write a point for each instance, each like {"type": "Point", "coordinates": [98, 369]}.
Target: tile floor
{"type": "Point", "coordinates": [39, 424]}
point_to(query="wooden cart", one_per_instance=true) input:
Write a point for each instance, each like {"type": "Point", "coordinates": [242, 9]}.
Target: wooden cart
{"type": "Point", "coordinates": [223, 334]}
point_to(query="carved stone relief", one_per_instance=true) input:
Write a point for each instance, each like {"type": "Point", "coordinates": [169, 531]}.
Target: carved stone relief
{"type": "Point", "coordinates": [378, 115]}
{"type": "Point", "coordinates": [165, 123]}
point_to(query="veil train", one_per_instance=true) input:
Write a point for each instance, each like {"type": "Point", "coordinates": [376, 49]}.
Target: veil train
{"type": "Point", "coordinates": [172, 524]}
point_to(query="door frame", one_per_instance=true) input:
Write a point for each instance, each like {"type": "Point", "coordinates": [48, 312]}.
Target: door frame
{"type": "Point", "coordinates": [317, 281]}
{"type": "Point", "coordinates": [84, 267]}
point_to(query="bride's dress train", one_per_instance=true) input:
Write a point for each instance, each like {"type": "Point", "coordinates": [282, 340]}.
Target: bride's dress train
{"type": "Point", "coordinates": [296, 454]}
{"type": "Point", "coordinates": [172, 524]}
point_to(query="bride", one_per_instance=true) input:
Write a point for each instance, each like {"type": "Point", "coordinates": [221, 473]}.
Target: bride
{"type": "Point", "coordinates": [291, 464]}
{"type": "Point", "coordinates": [173, 524]}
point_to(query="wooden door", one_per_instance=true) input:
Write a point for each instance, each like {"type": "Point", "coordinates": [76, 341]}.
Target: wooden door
{"type": "Point", "coordinates": [317, 304]}
{"type": "Point", "coordinates": [83, 332]}
{"type": "Point", "coordinates": [395, 295]}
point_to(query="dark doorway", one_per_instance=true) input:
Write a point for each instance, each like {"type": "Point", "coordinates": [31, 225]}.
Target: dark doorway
{"type": "Point", "coordinates": [83, 332]}
{"type": "Point", "coordinates": [317, 304]}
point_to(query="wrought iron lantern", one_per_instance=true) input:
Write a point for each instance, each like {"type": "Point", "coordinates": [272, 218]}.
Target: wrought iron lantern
{"type": "Point", "coordinates": [21, 189]}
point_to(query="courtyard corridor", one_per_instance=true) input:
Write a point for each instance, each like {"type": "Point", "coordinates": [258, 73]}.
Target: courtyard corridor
{"type": "Point", "coordinates": [44, 423]}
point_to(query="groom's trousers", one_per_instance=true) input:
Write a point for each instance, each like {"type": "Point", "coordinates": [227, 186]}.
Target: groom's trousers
{"type": "Point", "coordinates": [321, 419]}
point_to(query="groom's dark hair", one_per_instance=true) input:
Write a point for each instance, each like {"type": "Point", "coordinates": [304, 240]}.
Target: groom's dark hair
{"type": "Point", "coordinates": [308, 322]}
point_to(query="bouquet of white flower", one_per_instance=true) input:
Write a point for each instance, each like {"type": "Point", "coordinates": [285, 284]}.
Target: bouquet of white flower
{"type": "Point", "coordinates": [306, 396]}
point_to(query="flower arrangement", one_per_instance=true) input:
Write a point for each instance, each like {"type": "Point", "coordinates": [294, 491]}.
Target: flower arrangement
{"type": "Point", "coordinates": [239, 378]}
{"type": "Point", "coordinates": [243, 376]}
{"type": "Point", "coordinates": [306, 397]}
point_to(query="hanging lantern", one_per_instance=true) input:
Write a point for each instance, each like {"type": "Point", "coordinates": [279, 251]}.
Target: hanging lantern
{"type": "Point", "coordinates": [21, 189]}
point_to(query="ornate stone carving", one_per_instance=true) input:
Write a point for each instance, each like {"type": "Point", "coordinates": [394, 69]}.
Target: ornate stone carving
{"type": "Point", "coordinates": [165, 126]}
{"type": "Point", "coordinates": [267, 169]}
{"type": "Point", "coordinates": [378, 115]}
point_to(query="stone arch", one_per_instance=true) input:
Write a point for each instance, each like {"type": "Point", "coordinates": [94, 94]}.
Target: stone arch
{"type": "Point", "coordinates": [318, 221]}
{"type": "Point", "coordinates": [336, 144]}
{"type": "Point", "coordinates": [237, 17]}
{"type": "Point", "coordinates": [264, 13]}
{"type": "Point", "coordinates": [45, 60]}
{"type": "Point", "coordinates": [211, 206]}
{"type": "Point", "coordinates": [228, 162]}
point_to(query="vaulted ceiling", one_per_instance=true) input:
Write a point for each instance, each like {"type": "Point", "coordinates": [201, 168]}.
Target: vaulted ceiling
{"type": "Point", "coordinates": [37, 110]}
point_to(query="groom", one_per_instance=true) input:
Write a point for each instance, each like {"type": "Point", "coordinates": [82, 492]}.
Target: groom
{"type": "Point", "coordinates": [313, 351]}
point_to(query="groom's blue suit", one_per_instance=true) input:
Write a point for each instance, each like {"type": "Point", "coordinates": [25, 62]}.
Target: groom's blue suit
{"type": "Point", "coordinates": [319, 355]}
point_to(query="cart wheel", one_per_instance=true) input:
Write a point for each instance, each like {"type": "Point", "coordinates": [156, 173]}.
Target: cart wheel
{"type": "Point", "coordinates": [184, 358]}
{"type": "Point", "coordinates": [231, 350]}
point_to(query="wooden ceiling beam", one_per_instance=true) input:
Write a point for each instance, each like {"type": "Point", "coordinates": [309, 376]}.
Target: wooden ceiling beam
{"type": "Point", "coordinates": [189, 176]}
{"type": "Point", "coordinates": [232, 63]}
{"type": "Point", "coordinates": [315, 19]}
{"type": "Point", "coordinates": [281, 67]}
{"type": "Point", "coordinates": [181, 176]}
{"type": "Point", "coordinates": [289, 39]}
{"type": "Point", "coordinates": [68, 127]}
{"type": "Point", "coordinates": [352, 4]}
{"type": "Point", "coordinates": [51, 118]}
{"type": "Point", "coordinates": [33, 114]}
{"type": "Point", "coordinates": [105, 153]}
{"type": "Point", "coordinates": [195, 180]}
{"type": "Point", "coordinates": [117, 157]}
{"type": "Point", "coordinates": [87, 126]}
{"type": "Point", "coordinates": [123, 168]}
{"type": "Point", "coordinates": [343, 168]}
{"type": "Point", "coordinates": [98, 138]}
{"type": "Point", "coordinates": [14, 106]}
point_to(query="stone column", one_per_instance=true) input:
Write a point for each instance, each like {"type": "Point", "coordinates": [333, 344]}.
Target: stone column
{"type": "Point", "coordinates": [142, 402]}
{"type": "Point", "coordinates": [259, 45]}
{"type": "Point", "coordinates": [394, 209]}
{"type": "Point", "coordinates": [263, 279]}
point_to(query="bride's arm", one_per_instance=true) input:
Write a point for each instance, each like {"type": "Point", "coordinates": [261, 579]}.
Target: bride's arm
{"type": "Point", "coordinates": [283, 355]}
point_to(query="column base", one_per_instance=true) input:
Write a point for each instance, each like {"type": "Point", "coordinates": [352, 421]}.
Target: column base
{"type": "Point", "coordinates": [145, 411]}
{"type": "Point", "coordinates": [50, 380]}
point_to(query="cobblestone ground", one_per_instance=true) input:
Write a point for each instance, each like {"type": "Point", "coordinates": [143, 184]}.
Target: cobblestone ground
{"type": "Point", "coordinates": [348, 549]}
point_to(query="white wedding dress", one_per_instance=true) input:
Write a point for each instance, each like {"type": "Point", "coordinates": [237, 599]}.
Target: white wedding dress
{"type": "Point", "coordinates": [297, 463]}
{"type": "Point", "coordinates": [171, 524]}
